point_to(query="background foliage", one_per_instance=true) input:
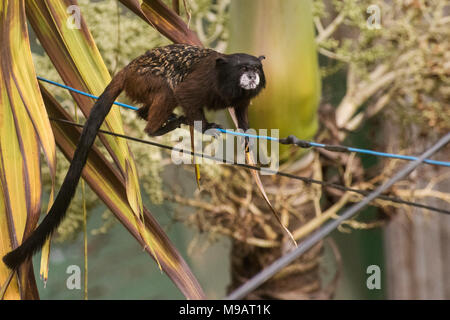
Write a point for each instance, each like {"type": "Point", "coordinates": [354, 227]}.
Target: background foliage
{"type": "Point", "coordinates": [398, 73]}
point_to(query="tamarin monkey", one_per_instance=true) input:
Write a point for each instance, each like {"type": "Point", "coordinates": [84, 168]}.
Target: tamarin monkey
{"type": "Point", "coordinates": [162, 79]}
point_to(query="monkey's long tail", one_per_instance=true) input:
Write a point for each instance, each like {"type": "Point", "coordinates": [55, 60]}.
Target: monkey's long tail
{"type": "Point", "coordinates": [58, 210]}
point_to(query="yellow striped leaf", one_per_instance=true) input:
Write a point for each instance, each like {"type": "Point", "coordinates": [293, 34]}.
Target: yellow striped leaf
{"type": "Point", "coordinates": [23, 129]}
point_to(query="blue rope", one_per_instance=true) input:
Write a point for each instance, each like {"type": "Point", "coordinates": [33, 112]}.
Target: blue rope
{"type": "Point", "coordinates": [83, 93]}
{"type": "Point", "coordinates": [289, 140]}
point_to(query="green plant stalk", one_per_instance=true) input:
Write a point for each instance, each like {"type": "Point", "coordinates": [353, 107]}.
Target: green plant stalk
{"type": "Point", "coordinates": [282, 31]}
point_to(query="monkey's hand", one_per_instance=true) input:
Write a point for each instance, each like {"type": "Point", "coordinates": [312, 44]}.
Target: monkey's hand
{"type": "Point", "coordinates": [211, 129]}
{"type": "Point", "coordinates": [249, 144]}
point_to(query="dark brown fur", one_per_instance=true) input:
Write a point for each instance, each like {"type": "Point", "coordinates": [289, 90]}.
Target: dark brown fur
{"type": "Point", "coordinates": [193, 86]}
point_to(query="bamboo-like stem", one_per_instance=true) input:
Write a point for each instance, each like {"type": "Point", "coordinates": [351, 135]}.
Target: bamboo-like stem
{"type": "Point", "coordinates": [85, 240]}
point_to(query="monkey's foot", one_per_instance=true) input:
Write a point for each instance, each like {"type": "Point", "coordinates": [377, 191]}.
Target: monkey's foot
{"type": "Point", "coordinates": [174, 117]}
{"type": "Point", "coordinates": [171, 124]}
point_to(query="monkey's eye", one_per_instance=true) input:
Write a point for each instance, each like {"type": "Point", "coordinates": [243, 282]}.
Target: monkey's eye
{"type": "Point", "coordinates": [244, 68]}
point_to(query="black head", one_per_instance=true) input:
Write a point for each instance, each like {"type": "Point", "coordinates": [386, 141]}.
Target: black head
{"type": "Point", "coordinates": [240, 75]}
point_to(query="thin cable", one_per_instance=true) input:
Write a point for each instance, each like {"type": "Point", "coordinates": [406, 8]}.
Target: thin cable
{"type": "Point", "coordinates": [290, 140]}
{"type": "Point", "coordinates": [320, 234]}
{"type": "Point", "coordinates": [279, 173]}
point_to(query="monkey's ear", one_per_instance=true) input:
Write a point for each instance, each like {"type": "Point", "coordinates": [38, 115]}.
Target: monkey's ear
{"type": "Point", "coordinates": [221, 61]}
{"type": "Point", "coordinates": [261, 58]}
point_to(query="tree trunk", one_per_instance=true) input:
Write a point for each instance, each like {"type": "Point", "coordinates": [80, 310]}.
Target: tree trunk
{"type": "Point", "coordinates": [283, 31]}
{"type": "Point", "coordinates": [417, 242]}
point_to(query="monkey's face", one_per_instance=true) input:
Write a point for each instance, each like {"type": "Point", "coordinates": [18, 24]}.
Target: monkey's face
{"type": "Point", "coordinates": [249, 80]}
{"type": "Point", "coordinates": [241, 74]}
